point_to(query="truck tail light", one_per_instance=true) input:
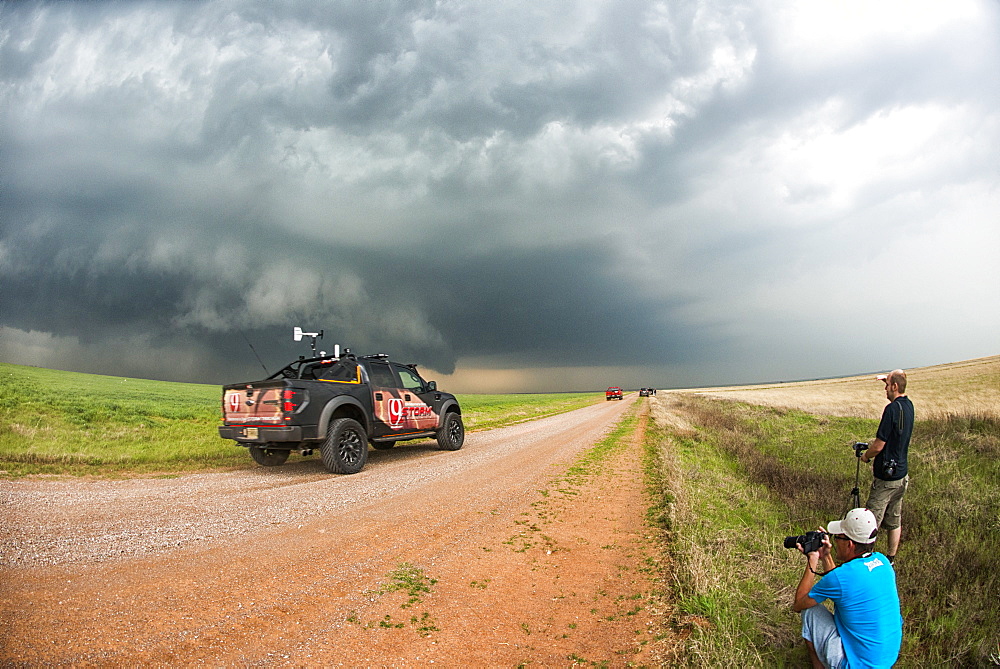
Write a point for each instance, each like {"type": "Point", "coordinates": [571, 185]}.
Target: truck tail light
{"type": "Point", "coordinates": [230, 403]}
{"type": "Point", "coordinates": [292, 400]}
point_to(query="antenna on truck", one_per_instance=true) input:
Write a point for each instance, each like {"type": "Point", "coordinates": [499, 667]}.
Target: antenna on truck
{"type": "Point", "coordinates": [298, 334]}
{"type": "Point", "coordinates": [254, 351]}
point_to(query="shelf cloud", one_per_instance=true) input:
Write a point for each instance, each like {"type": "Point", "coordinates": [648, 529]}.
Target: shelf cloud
{"type": "Point", "coordinates": [518, 197]}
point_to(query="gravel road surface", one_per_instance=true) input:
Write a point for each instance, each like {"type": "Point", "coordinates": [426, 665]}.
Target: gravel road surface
{"type": "Point", "coordinates": [293, 566]}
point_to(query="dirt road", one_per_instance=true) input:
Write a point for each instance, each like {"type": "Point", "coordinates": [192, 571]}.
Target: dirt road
{"type": "Point", "coordinates": [491, 555]}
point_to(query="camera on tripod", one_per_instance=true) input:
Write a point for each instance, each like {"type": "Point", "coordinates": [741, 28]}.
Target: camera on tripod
{"type": "Point", "coordinates": [811, 541]}
{"type": "Point", "coordinates": [888, 469]}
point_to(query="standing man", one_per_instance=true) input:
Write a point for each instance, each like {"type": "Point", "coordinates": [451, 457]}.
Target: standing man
{"type": "Point", "coordinates": [889, 452]}
{"type": "Point", "coordinates": [866, 627]}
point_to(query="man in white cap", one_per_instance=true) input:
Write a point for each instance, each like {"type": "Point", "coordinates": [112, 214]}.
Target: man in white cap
{"type": "Point", "coordinates": [866, 627]}
{"type": "Point", "coordinates": [888, 455]}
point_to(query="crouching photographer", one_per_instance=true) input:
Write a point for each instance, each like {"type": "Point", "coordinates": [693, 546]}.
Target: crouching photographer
{"type": "Point", "coordinates": [865, 628]}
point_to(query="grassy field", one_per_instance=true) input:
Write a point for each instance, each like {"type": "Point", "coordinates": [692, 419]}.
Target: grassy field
{"type": "Point", "coordinates": [735, 471]}
{"type": "Point", "coordinates": [740, 477]}
{"type": "Point", "coordinates": [65, 423]}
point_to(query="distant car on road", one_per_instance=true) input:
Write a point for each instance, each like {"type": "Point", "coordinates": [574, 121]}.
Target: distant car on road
{"type": "Point", "coordinates": [614, 393]}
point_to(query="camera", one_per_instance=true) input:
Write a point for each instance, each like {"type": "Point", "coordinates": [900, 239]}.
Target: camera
{"type": "Point", "coordinates": [889, 469]}
{"type": "Point", "coordinates": [811, 541]}
{"type": "Point", "coordinates": [859, 448]}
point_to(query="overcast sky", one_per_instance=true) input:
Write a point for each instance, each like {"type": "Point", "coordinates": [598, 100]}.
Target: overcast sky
{"type": "Point", "coordinates": [517, 195]}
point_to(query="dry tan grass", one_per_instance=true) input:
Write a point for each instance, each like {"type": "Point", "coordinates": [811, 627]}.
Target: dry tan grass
{"type": "Point", "coordinates": [665, 412]}
{"type": "Point", "coordinates": [968, 387]}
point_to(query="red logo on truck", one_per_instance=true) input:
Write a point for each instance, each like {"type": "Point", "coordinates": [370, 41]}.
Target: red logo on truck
{"type": "Point", "coordinates": [395, 411]}
{"type": "Point", "coordinates": [400, 411]}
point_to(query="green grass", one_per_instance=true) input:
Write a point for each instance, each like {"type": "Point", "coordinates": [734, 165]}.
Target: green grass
{"type": "Point", "coordinates": [65, 423]}
{"type": "Point", "coordinates": [748, 476]}
{"type": "Point", "coordinates": [409, 579]}
{"type": "Point", "coordinates": [54, 422]}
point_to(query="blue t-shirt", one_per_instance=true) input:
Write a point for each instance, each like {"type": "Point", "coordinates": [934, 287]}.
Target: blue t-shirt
{"type": "Point", "coordinates": [865, 608]}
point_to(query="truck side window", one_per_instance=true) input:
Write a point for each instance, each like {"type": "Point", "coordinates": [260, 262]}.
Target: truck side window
{"type": "Point", "coordinates": [409, 380]}
{"type": "Point", "coordinates": [380, 375]}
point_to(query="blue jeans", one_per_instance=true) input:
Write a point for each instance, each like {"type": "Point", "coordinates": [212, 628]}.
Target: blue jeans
{"type": "Point", "coordinates": [819, 628]}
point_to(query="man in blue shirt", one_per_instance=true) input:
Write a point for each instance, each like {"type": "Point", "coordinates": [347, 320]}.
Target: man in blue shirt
{"type": "Point", "coordinates": [865, 628]}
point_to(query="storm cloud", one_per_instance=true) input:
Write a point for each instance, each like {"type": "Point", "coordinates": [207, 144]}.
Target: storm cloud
{"type": "Point", "coordinates": [518, 196]}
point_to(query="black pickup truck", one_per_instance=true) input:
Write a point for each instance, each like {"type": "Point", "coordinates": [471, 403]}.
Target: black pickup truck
{"type": "Point", "coordinates": [340, 405]}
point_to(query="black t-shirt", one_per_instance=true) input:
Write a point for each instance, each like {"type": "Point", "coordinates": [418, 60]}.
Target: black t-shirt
{"type": "Point", "coordinates": [895, 430]}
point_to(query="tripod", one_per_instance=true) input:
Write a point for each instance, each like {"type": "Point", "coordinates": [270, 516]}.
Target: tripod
{"type": "Point", "coordinates": [859, 448]}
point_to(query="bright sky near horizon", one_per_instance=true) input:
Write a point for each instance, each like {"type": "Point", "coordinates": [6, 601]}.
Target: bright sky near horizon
{"type": "Point", "coordinates": [518, 196]}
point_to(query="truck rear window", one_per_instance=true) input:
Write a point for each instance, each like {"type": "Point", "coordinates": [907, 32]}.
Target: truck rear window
{"type": "Point", "coordinates": [345, 370]}
{"type": "Point", "coordinates": [380, 375]}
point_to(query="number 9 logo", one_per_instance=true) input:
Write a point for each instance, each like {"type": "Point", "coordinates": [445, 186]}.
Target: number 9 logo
{"type": "Point", "coordinates": [395, 411]}
{"type": "Point", "coordinates": [234, 402]}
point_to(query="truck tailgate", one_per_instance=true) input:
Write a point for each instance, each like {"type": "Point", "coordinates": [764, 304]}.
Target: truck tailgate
{"type": "Point", "coordinates": [253, 403]}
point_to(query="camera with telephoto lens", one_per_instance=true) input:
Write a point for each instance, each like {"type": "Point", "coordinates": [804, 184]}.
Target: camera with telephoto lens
{"type": "Point", "coordinates": [811, 541]}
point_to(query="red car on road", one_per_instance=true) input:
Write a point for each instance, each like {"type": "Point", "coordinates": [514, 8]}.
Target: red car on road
{"type": "Point", "coordinates": [614, 393]}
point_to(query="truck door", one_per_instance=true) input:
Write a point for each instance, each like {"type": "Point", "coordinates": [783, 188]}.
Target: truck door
{"type": "Point", "coordinates": [419, 403]}
{"type": "Point", "coordinates": [399, 409]}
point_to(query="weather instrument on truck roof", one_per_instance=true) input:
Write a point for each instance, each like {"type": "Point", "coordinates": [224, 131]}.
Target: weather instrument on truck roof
{"type": "Point", "coordinates": [298, 334]}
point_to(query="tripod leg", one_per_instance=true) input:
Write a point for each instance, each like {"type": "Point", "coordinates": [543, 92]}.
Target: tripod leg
{"type": "Point", "coordinates": [856, 492]}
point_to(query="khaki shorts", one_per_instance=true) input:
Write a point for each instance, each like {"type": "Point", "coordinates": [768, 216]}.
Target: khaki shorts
{"type": "Point", "coordinates": [886, 501]}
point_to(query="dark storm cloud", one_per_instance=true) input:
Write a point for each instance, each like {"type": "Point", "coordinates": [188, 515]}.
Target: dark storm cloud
{"type": "Point", "coordinates": [563, 305]}
{"type": "Point", "coordinates": [592, 184]}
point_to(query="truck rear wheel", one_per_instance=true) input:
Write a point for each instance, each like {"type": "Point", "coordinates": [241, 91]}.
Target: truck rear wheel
{"type": "Point", "coordinates": [268, 457]}
{"type": "Point", "coordinates": [451, 436]}
{"type": "Point", "coordinates": [345, 450]}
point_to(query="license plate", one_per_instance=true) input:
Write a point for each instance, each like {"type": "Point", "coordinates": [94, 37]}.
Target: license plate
{"type": "Point", "coordinates": [251, 433]}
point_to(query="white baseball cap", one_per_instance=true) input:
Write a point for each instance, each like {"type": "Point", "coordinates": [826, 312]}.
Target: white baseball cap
{"type": "Point", "coordinates": [859, 525]}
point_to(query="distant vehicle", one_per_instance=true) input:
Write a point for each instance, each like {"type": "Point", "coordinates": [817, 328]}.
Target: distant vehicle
{"type": "Point", "coordinates": [339, 404]}
{"type": "Point", "coordinates": [614, 393]}
{"type": "Point", "coordinates": [647, 392]}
